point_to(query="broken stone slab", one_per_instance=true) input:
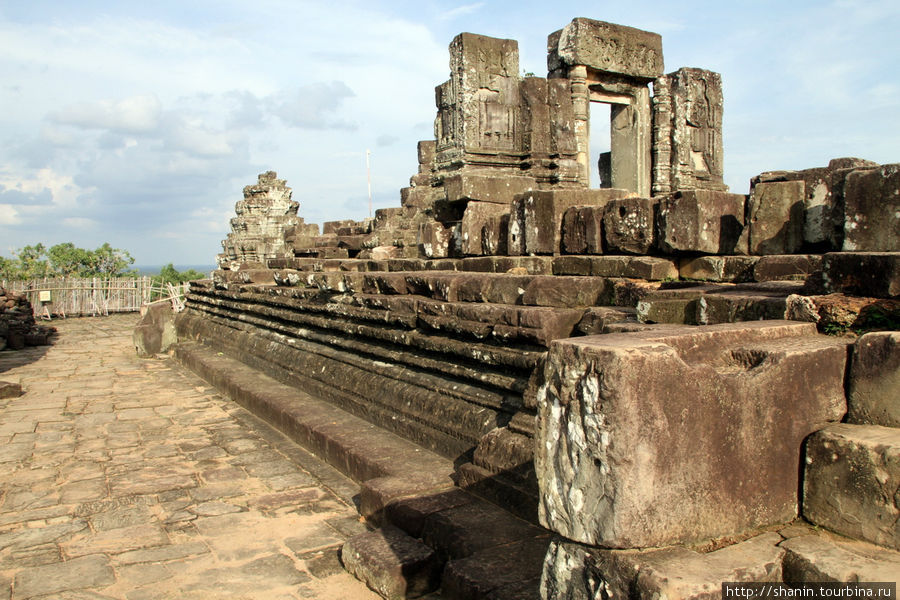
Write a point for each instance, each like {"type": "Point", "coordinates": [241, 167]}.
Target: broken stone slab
{"type": "Point", "coordinates": [823, 557]}
{"type": "Point", "coordinates": [702, 221]}
{"type": "Point", "coordinates": [606, 47]}
{"type": "Point", "coordinates": [873, 393]}
{"type": "Point", "coordinates": [872, 210]}
{"type": "Point", "coordinates": [873, 274]}
{"type": "Point", "coordinates": [681, 434]}
{"type": "Point", "coordinates": [775, 217]}
{"type": "Point", "coordinates": [486, 188]}
{"type": "Point", "coordinates": [852, 475]}
{"type": "Point", "coordinates": [574, 571]}
{"type": "Point", "coordinates": [392, 563]}
{"type": "Point", "coordinates": [582, 230]}
{"type": "Point", "coordinates": [535, 221]}
{"type": "Point", "coordinates": [734, 269]}
{"type": "Point", "coordinates": [629, 225]}
{"type": "Point", "coordinates": [491, 570]}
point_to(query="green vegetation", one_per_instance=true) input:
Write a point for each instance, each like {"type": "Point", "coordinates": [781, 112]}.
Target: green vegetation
{"type": "Point", "coordinates": [169, 274]}
{"type": "Point", "coordinates": [65, 260]}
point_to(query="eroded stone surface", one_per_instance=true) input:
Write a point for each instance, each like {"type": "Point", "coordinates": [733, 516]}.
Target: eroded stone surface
{"type": "Point", "coordinates": [639, 442]}
{"type": "Point", "coordinates": [820, 557]}
{"type": "Point", "coordinates": [852, 474]}
{"type": "Point", "coordinates": [873, 396]}
{"type": "Point", "coordinates": [577, 572]}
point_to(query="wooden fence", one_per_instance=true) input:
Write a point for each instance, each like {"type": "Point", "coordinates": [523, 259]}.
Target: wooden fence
{"type": "Point", "coordinates": [96, 296]}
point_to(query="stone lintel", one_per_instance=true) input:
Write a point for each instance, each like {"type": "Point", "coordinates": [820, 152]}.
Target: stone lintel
{"type": "Point", "coordinates": [606, 47]}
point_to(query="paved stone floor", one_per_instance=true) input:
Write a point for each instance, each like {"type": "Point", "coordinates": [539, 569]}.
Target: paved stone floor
{"type": "Point", "coordinates": [129, 478]}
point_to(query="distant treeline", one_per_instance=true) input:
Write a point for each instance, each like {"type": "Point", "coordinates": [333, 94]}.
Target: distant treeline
{"type": "Point", "coordinates": [67, 260]}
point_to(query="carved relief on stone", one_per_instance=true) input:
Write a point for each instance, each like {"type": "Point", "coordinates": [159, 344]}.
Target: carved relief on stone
{"type": "Point", "coordinates": [687, 131]}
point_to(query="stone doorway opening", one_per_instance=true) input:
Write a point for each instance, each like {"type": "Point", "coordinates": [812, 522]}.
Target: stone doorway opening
{"type": "Point", "coordinates": [600, 153]}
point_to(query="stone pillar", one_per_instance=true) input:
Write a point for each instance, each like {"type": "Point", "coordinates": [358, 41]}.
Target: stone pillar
{"type": "Point", "coordinates": [582, 107]}
{"type": "Point", "coordinates": [687, 132]}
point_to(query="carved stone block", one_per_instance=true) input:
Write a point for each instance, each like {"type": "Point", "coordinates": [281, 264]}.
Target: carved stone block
{"type": "Point", "coordinates": [702, 221]}
{"type": "Point", "coordinates": [606, 47]}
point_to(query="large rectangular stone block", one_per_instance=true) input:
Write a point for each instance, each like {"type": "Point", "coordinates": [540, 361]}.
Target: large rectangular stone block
{"type": "Point", "coordinates": [629, 225]}
{"type": "Point", "coordinates": [486, 188]}
{"type": "Point", "coordinates": [872, 210]}
{"type": "Point", "coordinates": [874, 274]}
{"type": "Point", "coordinates": [873, 395]}
{"type": "Point", "coordinates": [582, 230]}
{"type": "Point", "coordinates": [480, 229]}
{"type": "Point", "coordinates": [681, 434]}
{"type": "Point", "coordinates": [606, 47]}
{"type": "Point", "coordinates": [702, 221]}
{"type": "Point", "coordinates": [775, 217]}
{"type": "Point", "coordinates": [851, 481]}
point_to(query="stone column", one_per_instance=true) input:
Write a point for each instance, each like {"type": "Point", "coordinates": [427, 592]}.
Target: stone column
{"type": "Point", "coordinates": [582, 108]}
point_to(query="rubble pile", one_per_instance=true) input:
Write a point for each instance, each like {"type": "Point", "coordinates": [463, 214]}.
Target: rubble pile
{"type": "Point", "coordinates": [17, 325]}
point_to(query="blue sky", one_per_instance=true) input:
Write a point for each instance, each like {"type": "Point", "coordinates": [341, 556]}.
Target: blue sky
{"type": "Point", "coordinates": [138, 123]}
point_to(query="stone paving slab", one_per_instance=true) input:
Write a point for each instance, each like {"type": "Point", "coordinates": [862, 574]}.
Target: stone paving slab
{"type": "Point", "coordinates": [132, 479]}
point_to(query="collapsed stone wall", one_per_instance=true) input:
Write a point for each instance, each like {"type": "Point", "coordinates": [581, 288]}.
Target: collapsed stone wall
{"type": "Point", "coordinates": [541, 333]}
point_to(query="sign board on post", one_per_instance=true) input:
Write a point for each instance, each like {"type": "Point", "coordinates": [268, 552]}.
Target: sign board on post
{"type": "Point", "coordinates": [44, 296]}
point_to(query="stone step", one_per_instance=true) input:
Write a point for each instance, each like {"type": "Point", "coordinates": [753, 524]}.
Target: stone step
{"type": "Point", "coordinates": [362, 451]}
{"type": "Point", "coordinates": [481, 550]}
{"type": "Point", "coordinates": [820, 556]}
{"type": "Point", "coordinates": [711, 304]}
{"type": "Point", "coordinates": [851, 480]}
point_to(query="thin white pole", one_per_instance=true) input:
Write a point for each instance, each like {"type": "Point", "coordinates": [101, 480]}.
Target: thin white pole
{"type": "Point", "coordinates": [369, 178]}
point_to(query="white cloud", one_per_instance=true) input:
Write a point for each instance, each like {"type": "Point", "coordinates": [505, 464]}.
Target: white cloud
{"type": "Point", "coordinates": [137, 114]}
{"type": "Point", "coordinates": [79, 223]}
{"type": "Point", "coordinates": [9, 215]}
{"type": "Point", "coordinates": [460, 11]}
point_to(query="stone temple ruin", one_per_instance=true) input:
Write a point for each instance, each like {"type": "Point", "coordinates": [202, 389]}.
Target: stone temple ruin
{"type": "Point", "coordinates": [551, 389]}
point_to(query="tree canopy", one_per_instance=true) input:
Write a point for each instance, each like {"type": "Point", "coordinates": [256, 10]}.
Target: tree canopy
{"type": "Point", "coordinates": [66, 260]}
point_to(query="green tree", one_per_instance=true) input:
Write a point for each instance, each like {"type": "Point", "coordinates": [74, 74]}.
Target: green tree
{"type": "Point", "coordinates": [69, 261]}
{"type": "Point", "coordinates": [169, 274]}
{"type": "Point", "coordinates": [112, 262]}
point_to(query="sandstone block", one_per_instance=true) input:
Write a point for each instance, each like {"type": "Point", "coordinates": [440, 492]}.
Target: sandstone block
{"type": "Point", "coordinates": [680, 434]}
{"type": "Point", "coordinates": [701, 221]}
{"type": "Point", "coordinates": [10, 390]}
{"type": "Point", "coordinates": [873, 395]}
{"type": "Point", "coordinates": [155, 332]}
{"type": "Point", "coordinates": [582, 230]}
{"type": "Point", "coordinates": [386, 252]}
{"type": "Point", "coordinates": [820, 557]}
{"type": "Point", "coordinates": [775, 217]}
{"type": "Point", "coordinates": [434, 239]}
{"type": "Point", "coordinates": [872, 210]}
{"type": "Point", "coordinates": [852, 475]}
{"type": "Point", "coordinates": [486, 188]}
{"type": "Point", "coordinates": [575, 571]}
{"type": "Point", "coordinates": [606, 47]}
{"type": "Point", "coordinates": [492, 570]}
{"type": "Point", "coordinates": [419, 196]}
{"type": "Point", "coordinates": [535, 223]}
{"type": "Point", "coordinates": [480, 230]}
{"type": "Point", "coordinates": [823, 204]}
{"type": "Point", "coordinates": [786, 267]}
{"type": "Point", "coordinates": [718, 268]}
{"type": "Point", "coordinates": [874, 274]}
{"type": "Point", "coordinates": [425, 154]}
{"type": "Point", "coordinates": [392, 563]}
{"type": "Point", "coordinates": [566, 292]}
{"type": "Point", "coordinates": [628, 225]}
